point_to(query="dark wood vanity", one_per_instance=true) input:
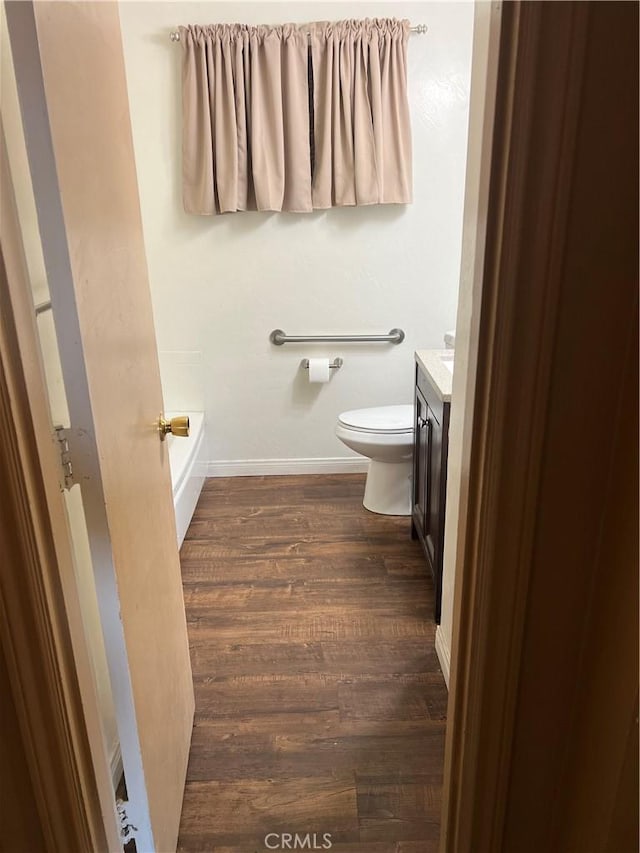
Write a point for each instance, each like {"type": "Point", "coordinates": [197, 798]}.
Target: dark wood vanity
{"type": "Point", "coordinates": [431, 440]}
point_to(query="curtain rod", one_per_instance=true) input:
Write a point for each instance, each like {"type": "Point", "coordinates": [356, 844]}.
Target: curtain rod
{"type": "Point", "coordinates": [419, 28]}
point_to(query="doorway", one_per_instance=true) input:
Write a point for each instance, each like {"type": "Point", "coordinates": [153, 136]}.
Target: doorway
{"type": "Point", "coordinates": [466, 770]}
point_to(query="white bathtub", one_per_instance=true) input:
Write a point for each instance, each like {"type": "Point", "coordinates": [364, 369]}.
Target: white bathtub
{"type": "Point", "coordinates": [187, 460]}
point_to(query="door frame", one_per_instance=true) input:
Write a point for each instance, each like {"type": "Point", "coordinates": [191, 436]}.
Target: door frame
{"type": "Point", "coordinates": [83, 175]}
{"type": "Point", "coordinates": [526, 618]}
{"type": "Point", "coordinates": [41, 627]}
{"type": "Point", "coordinates": [491, 584]}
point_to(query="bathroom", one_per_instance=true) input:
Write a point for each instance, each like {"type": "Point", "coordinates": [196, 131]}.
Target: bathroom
{"type": "Point", "coordinates": [280, 681]}
{"type": "Point", "coordinates": [221, 284]}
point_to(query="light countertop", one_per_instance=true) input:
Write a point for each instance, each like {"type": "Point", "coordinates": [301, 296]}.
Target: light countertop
{"type": "Point", "coordinates": [431, 362]}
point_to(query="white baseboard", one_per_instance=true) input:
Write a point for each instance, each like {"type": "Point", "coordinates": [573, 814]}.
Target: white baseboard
{"type": "Point", "coordinates": [444, 653]}
{"type": "Point", "coordinates": [116, 766]}
{"type": "Point", "coordinates": [265, 467]}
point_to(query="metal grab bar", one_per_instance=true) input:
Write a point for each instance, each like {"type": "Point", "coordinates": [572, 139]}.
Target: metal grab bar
{"type": "Point", "coordinates": [278, 337]}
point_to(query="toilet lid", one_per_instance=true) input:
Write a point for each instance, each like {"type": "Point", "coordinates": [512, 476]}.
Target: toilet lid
{"type": "Point", "coordinates": [391, 419]}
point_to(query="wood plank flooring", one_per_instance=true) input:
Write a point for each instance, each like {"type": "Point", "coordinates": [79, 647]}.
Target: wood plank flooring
{"type": "Point", "coordinates": [320, 705]}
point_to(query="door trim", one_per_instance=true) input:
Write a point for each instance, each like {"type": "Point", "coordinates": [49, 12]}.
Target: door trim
{"type": "Point", "coordinates": [40, 620]}
{"type": "Point", "coordinates": [495, 566]}
{"type": "Point", "coordinates": [93, 248]}
{"type": "Point", "coordinates": [542, 66]}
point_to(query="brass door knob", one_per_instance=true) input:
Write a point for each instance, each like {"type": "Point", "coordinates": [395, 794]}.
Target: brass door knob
{"type": "Point", "coordinates": [176, 426]}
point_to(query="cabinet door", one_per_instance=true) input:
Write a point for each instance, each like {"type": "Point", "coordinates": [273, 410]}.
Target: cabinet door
{"type": "Point", "coordinates": [429, 475]}
{"type": "Point", "coordinates": [433, 520]}
{"type": "Point", "coordinates": [420, 465]}
{"type": "Point", "coordinates": [434, 531]}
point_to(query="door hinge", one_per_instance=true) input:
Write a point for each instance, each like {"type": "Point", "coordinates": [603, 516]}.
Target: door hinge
{"type": "Point", "coordinates": [66, 476]}
{"type": "Point", "coordinates": [128, 831]}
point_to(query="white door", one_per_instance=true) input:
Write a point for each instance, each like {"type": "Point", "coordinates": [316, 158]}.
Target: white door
{"type": "Point", "coordinates": [73, 97]}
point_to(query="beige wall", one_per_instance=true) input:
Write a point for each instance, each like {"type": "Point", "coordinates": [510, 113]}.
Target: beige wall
{"type": "Point", "coordinates": [483, 78]}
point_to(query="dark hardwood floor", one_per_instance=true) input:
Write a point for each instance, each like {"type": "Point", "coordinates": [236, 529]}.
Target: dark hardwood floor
{"type": "Point", "coordinates": [320, 705]}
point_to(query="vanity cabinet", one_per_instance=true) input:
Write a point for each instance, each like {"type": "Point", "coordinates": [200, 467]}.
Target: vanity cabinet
{"type": "Point", "coordinates": [431, 437]}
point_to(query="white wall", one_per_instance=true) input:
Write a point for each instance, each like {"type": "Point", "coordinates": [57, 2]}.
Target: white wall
{"type": "Point", "coordinates": [221, 284]}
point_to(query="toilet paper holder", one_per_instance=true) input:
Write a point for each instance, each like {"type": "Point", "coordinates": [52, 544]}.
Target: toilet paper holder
{"type": "Point", "coordinates": [333, 365]}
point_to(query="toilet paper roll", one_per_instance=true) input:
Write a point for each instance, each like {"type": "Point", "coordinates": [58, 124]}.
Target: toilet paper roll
{"type": "Point", "coordinates": [319, 370]}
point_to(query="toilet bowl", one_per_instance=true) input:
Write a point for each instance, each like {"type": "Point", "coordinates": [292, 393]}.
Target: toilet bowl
{"type": "Point", "coordinates": [385, 436]}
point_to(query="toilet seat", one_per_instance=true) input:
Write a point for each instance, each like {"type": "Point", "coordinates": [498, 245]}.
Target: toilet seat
{"type": "Point", "coordinates": [384, 420]}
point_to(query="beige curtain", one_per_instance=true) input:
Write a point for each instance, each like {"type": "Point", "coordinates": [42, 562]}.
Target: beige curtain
{"type": "Point", "coordinates": [361, 113]}
{"type": "Point", "coordinates": [295, 118]}
{"type": "Point", "coordinates": [245, 142]}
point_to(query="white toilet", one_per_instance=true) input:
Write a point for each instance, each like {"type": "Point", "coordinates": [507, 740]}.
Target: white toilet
{"type": "Point", "coordinates": [385, 435]}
